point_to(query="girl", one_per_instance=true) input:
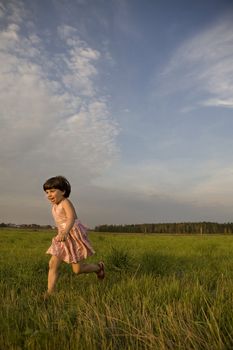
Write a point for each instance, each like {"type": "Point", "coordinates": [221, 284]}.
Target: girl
{"type": "Point", "coordinates": [71, 243]}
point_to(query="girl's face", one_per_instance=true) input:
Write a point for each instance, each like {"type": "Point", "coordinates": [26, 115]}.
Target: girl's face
{"type": "Point", "coordinates": [54, 195]}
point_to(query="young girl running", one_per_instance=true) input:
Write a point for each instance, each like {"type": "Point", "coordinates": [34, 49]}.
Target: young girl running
{"type": "Point", "coordinates": [71, 243]}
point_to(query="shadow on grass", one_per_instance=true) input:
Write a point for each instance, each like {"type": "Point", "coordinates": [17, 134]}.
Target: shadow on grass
{"type": "Point", "coordinates": [163, 265]}
{"type": "Point", "coordinates": [157, 264]}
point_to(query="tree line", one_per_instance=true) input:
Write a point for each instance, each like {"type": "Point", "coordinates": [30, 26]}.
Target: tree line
{"type": "Point", "coordinates": [30, 226]}
{"type": "Point", "coordinates": [172, 228]}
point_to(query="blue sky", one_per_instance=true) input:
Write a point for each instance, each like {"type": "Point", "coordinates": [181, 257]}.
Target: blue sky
{"type": "Point", "coordinates": [130, 100]}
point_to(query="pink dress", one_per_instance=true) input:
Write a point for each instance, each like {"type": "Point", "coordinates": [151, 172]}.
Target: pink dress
{"type": "Point", "coordinates": [77, 246]}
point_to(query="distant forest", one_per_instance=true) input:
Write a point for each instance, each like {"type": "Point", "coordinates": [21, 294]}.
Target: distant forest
{"type": "Point", "coordinates": [176, 228]}
{"type": "Point", "coordinates": [170, 228]}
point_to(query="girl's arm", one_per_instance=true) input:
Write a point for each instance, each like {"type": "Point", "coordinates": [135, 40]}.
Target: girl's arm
{"type": "Point", "coordinates": [71, 216]}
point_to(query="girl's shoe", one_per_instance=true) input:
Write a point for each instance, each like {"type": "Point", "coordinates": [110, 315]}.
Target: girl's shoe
{"type": "Point", "coordinates": [101, 273]}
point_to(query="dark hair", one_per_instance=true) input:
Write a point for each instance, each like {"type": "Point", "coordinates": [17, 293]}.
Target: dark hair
{"type": "Point", "coordinates": [59, 183]}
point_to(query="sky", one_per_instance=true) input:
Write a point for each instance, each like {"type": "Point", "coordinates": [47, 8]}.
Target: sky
{"type": "Point", "coordinates": [131, 100]}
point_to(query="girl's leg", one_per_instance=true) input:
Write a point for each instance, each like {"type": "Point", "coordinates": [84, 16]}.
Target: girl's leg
{"type": "Point", "coordinates": [88, 268]}
{"type": "Point", "coordinates": [54, 264]}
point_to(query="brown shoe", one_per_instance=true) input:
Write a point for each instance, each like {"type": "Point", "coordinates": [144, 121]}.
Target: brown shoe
{"type": "Point", "coordinates": [101, 272]}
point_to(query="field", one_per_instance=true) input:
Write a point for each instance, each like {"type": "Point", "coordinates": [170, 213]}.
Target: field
{"type": "Point", "coordinates": [161, 292]}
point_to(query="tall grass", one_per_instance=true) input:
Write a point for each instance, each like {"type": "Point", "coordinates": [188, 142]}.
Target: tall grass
{"type": "Point", "coordinates": [160, 293]}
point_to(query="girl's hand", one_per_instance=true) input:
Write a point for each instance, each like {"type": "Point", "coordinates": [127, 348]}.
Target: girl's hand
{"type": "Point", "coordinates": [62, 236]}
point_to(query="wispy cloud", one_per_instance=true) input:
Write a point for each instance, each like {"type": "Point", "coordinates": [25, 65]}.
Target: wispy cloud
{"type": "Point", "coordinates": [184, 183]}
{"type": "Point", "coordinates": [202, 66]}
{"type": "Point", "coordinates": [78, 63]}
{"type": "Point", "coordinates": [219, 103]}
{"type": "Point", "coordinates": [200, 71]}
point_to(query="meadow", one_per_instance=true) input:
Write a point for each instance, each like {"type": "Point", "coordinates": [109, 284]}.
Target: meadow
{"type": "Point", "coordinates": [161, 292]}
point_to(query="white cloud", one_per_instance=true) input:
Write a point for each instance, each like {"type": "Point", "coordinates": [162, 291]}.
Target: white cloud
{"type": "Point", "coordinates": [52, 115]}
{"type": "Point", "coordinates": [78, 63]}
{"type": "Point", "coordinates": [218, 103]}
{"type": "Point", "coordinates": [203, 66]}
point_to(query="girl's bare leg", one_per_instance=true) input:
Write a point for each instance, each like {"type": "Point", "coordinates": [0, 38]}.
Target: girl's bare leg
{"type": "Point", "coordinates": [99, 269]}
{"type": "Point", "coordinates": [85, 268]}
{"type": "Point", "coordinates": [54, 264]}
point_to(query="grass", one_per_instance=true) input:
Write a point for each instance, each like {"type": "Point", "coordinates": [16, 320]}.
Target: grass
{"type": "Point", "coordinates": [160, 293]}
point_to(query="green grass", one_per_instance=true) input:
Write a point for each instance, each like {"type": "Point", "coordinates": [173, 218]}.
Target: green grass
{"type": "Point", "coordinates": [160, 292]}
